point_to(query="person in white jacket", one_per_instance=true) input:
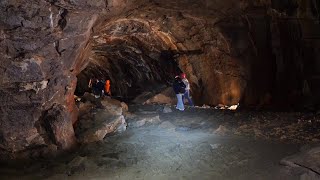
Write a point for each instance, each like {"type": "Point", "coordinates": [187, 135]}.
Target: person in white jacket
{"type": "Point", "coordinates": [187, 92]}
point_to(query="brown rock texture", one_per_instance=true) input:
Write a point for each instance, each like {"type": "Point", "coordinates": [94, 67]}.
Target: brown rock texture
{"type": "Point", "coordinates": [40, 44]}
{"type": "Point", "coordinates": [258, 53]}
{"type": "Point", "coordinates": [95, 124]}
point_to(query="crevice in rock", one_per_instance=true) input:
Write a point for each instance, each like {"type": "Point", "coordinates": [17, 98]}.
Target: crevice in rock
{"type": "Point", "coordinates": [63, 19]}
{"type": "Point", "coordinates": [308, 168]}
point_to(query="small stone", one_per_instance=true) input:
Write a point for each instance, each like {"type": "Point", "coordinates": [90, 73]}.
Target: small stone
{"type": "Point", "coordinates": [124, 107]}
{"type": "Point", "coordinates": [122, 128]}
{"type": "Point", "coordinates": [167, 109]}
{"type": "Point", "coordinates": [140, 123]}
{"type": "Point", "coordinates": [233, 107]}
{"type": "Point", "coordinates": [154, 120]}
{"type": "Point", "coordinates": [147, 119]}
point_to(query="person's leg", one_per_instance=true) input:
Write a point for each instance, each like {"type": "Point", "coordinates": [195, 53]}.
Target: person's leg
{"type": "Point", "coordinates": [189, 98]}
{"type": "Point", "coordinates": [180, 105]}
{"type": "Point", "coordinates": [183, 97]}
{"type": "Point", "coordinates": [178, 102]}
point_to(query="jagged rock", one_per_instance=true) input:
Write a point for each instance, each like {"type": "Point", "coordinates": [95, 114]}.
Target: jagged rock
{"type": "Point", "coordinates": [142, 98]}
{"type": "Point", "coordinates": [60, 128]}
{"type": "Point", "coordinates": [95, 125]}
{"type": "Point", "coordinates": [122, 128]}
{"type": "Point", "coordinates": [101, 128]}
{"type": "Point", "coordinates": [114, 106]}
{"type": "Point", "coordinates": [129, 115]}
{"type": "Point", "coordinates": [124, 107]}
{"type": "Point", "coordinates": [165, 97]}
{"type": "Point", "coordinates": [167, 109]}
{"type": "Point", "coordinates": [139, 123]}
{"type": "Point", "coordinates": [85, 108]}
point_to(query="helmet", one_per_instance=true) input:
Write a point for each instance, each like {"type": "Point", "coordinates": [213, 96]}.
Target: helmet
{"type": "Point", "coordinates": [183, 75]}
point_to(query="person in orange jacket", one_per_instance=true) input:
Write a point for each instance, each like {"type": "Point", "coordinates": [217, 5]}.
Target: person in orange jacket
{"type": "Point", "coordinates": [107, 90]}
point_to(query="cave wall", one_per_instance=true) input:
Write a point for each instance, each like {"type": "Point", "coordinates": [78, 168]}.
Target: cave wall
{"type": "Point", "coordinates": [39, 45]}
{"type": "Point", "coordinates": [257, 52]}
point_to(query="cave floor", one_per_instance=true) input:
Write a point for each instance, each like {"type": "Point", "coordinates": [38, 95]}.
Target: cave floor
{"type": "Point", "coordinates": [181, 146]}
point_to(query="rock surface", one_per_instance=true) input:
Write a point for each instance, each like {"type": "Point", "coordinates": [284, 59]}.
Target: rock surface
{"type": "Point", "coordinates": [307, 163]}
{"type": "Point", "coordinates": [230, 52]}
{"type": "Point", "coordinates": [167, 97]}
{"type": "Point", "coordinates": [141, 120]}
{"type": "Point", "coordinates": [95, 124]}
{"type": "Point", "coordinates": [167, 109]}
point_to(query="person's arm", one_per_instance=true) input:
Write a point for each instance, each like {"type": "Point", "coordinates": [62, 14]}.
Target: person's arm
{"type": "Point", "coordinates": [90, 83]}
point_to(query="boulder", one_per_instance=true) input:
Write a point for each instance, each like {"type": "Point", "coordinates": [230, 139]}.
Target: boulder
{"type": "Point", "coordinates": [95, 125]}
{"type": "Point", "coordinates": [114, 106]}
{"type": "Point", "coordinates": [143, 97]}
{"type": "Point", "coordinates": [167, 109]}
{"type": "Point", "coordinates": [100, 129]}
{"type": "Point", "coordinates": [167, 96]}
{"type": "Point", "coordinates": [60, 128]}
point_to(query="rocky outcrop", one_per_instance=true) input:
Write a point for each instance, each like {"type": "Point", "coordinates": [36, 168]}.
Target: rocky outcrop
{"type": "Point", "coordinates": [256, 52]}
{"type": "Point", "coordinates": [166, 96]}
{"type": "Point", "coordinates": [232, 52]}
{"type": "Point", "coordinates": [95, 124]}
{"type": "Point", "coordinates": [43, 45]}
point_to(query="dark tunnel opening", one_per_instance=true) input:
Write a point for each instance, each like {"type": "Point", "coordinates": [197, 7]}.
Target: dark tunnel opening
{"type": "Point", "coordinates": [131, 74]}
{"type": "Point", "coordinates": [133, 57]}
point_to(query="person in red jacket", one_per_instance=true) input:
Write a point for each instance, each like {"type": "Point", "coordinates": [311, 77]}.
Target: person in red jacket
{"type": "Point", "coordinates": [107, 90]}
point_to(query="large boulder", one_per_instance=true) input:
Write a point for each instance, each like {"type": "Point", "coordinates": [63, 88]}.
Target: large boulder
{"type": "Point", "coordinates": [101, 127]}
{"type": "Point", "coordinates": [95, 124]}
{"type": "Point", "coordinates": [167, 97]}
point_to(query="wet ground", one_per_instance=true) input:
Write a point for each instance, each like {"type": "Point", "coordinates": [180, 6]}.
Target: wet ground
{"type": "Point", "coordinates": [182, 145]}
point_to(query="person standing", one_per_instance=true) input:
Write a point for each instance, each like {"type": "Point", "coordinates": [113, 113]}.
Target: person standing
{"type": "Point", "coordinates": [179, 89]}
{"type": "Point", "coordinates": [107, 90]}
{"type": "Point", "coordinates": [187, 90]}
{"type": "Point", "coordinates": [94, 87]}
{"type": "Point", "coordinates": [100, 88]}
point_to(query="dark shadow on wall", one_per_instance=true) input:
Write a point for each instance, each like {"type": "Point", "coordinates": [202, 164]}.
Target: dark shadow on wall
{"type": "Point", "coordinates": [168, 59]}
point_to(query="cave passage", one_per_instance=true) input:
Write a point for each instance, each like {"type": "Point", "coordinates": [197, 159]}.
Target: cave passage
{"type": "Point", "coordinates": [133, 63]}
{"type": "Point", "coordinates": [263, 55]}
